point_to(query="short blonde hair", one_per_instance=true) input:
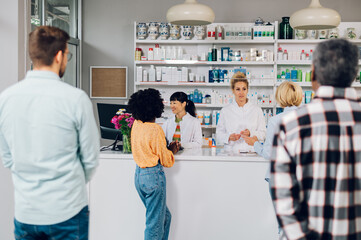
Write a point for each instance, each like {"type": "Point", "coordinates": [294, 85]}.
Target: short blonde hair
{"type": "Point", "coordinates": [289, 94]}
{"type": "Point", "coordinates": [238, 77]}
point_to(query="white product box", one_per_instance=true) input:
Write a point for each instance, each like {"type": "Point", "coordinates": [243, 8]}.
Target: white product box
{"type": "Point", "coordinates": [145, 75]}
{"type": "Point", "coordinates": [184, 74]}
{"type": "Point", "coordinates": [139, 74]}
{"type": "Point", "coordinates": [174, 74]}
{"type": "Point", "coordinates": [158, 74]}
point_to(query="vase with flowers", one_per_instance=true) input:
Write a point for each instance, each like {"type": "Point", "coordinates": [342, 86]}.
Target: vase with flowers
{"type": "Point", "coordinates": [124, 121]}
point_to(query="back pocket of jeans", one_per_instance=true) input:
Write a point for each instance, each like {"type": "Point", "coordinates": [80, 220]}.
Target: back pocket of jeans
{"type": "Point", "coordinates": [149, 182]}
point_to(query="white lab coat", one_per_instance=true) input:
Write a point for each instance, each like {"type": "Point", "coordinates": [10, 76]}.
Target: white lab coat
{"type": "Point", "coordinates": [234, 119]}
{"type": "Point", "coordinates": [191, 132]}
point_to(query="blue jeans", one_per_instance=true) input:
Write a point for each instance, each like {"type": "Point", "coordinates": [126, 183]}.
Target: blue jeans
{"type": "Point", "coordinates": [151, 186]}
{"type": "Point", "coordinates": [74, 228]}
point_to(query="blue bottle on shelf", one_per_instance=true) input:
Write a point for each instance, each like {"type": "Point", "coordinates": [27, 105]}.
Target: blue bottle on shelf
{"type": "Point", "coordinates": [210, 76]}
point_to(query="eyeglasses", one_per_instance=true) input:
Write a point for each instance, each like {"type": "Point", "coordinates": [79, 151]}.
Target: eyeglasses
{"type": "Point", "coordinates": [70, 55]}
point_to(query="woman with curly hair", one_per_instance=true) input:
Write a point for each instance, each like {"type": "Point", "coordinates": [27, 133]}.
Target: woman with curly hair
{"type": "Point", "coordinates": [151, 154]}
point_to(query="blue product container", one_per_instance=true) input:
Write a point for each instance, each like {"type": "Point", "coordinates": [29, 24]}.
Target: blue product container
{"type": "Point", "coordinates": [210, 76]}
{"type": "Point", "coordinates": [225, 53]}
{"type": "Point", "coordinates": [215, 75]}
{"type": "Point", "coordinates": [218, 113]}
{"type": "Point", "coordinates": [288, 75]}
{"type": "Point", "coordinates": [294, 75]}
{"type": "Point", "coordinates": [195, 97]}
{"type": "Point", "coordinates": [191, 96]}
{"type": "Point", "coordinates": [221, 76]}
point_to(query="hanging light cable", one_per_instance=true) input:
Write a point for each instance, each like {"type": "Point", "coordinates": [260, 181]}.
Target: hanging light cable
{"type": "Point", "coordinates": [190, 13]}
{"type": "Point", "coordinates": [315, 17]}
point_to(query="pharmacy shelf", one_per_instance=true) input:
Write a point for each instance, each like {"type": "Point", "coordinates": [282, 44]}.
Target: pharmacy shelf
{"type": "Point", "coordinates": [302, 84]}
{"type": "Point", "coordinates": [298, 63]}
{"type": "Point", "coordinates": [198, 84]}
{"type": "Point", "coordinates": [309, 41]}
{"type": "Point", "coordinates": [202, 105]}
{"type": "Point", "coordinates": [208, 126]}
{"type": "Point", "coordinates": [295, 41]}
{"type": "Point", "coordinates": [309, 84]}
{"type": "Point", "coordinates": [205, 41]}
{"type": "Point", "coordinates": [203, 63]}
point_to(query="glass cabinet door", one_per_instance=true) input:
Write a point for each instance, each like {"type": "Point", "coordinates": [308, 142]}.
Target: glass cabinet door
{"type": "Point", "coordinates": [36, 13]}
{"type": "Point", "coordinates": [62, 14]}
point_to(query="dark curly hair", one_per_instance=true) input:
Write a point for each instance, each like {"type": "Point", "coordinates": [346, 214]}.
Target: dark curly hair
{"type": "Point", "coordinates": [146, 105]}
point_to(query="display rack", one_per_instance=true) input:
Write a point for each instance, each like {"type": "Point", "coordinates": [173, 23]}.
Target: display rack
{"type": "Point", "coordinates": [266, 85]}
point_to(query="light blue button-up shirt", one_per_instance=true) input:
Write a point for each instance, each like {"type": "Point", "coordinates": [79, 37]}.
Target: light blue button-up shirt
{"type": "Point", "coordinates": [50, 141]}
{"type": "Point", "coordinates": [272, 126]}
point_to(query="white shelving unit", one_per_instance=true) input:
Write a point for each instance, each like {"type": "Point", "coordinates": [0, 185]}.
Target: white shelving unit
{"type": "Point", "coordinates": [266, 85]}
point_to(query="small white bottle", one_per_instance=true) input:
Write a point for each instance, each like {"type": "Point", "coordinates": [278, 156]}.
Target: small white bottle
{"type": "Point", "coordinates": [168, 53]}
{"type": "Point", "coordinates": [285, 55]}
{"type": "Point", "coordinates": [180, 53]}
{"type": "Point", "coordinates": [151, 73]}
{"type": "Point", "coordinates": [162, 53]}
{"type": "Point", "coordinates": [150, 54]}
{"type": "Point", "coordinates": [303, 55]}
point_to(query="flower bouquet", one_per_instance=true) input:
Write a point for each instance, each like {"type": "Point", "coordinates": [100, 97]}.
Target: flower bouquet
{"type": "Point", "coordinates": [124, 122]}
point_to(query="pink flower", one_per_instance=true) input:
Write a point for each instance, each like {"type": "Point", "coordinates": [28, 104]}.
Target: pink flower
{"type": "Point", "coordinates": [114, 119]}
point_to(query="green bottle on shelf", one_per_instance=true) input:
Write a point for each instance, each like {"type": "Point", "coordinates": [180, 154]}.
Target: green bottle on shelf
{"type": "Point", "coordinates": [286, 32]}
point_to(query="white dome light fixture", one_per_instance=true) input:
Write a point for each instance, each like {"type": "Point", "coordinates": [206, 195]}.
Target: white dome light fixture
{"type": "Point", "coordinates": [190, 13]}
{"type": "Point", "coordinates": [315, 17]}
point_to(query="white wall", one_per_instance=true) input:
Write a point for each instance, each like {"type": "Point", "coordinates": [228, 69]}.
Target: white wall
{"type": "Point", "coordinates": [12, 68]}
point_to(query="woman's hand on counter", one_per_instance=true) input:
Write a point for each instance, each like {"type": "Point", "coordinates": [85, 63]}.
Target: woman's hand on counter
{"type": "Point", "coordinates": [245, 133]}
{"type": "Point", "coordinates": [250, 140]}
{"type": "Point", "coordinates": [234, 137]}
{"type": "Point", "coordinates": [174, 147]}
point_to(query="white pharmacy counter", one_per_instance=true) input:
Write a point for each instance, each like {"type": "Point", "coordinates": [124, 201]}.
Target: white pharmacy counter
{"type": "Point", "coordinates": [211, 195]}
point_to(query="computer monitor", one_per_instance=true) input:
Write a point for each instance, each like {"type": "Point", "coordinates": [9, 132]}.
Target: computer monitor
{"type": "Point", "coordinates": [106, 112]}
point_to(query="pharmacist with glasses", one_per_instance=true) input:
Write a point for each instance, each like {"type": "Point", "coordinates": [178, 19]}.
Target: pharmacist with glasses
{"type": "Point", "coordinates": [240, 119]}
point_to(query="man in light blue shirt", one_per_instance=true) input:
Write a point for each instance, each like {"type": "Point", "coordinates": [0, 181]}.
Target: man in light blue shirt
{"type": "Point", "coordinates": [50, 142]}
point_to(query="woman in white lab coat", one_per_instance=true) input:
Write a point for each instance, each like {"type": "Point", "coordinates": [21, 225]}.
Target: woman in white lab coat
{"type": "Point", "coordinates": [183, 126]}
{"type": "Point", "coordinates": [241, 118]}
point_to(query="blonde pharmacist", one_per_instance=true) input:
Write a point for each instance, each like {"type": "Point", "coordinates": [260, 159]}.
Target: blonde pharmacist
{"type": "Point", "coordinates": [240, 118]}
{"type": "Point", "coordinates": [183, 126]}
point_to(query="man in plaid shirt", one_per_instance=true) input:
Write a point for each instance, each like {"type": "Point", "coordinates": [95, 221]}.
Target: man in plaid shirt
{"type": "Point", "coordinates": [316, 157]}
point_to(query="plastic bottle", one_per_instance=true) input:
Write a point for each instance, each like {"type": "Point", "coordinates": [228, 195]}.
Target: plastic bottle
{"type": "Point", "coordinates": [280, 54]}
{"type": "Point", "coordinates": [210, 75]}
{"type": "Point", "coordinates": [214, 54]}
{"type": "Point", "coordinates": [285, 55]}
{"type": "Point", "coordinates": [150, 54]}
{"type": "Point", "coordinates": [303, 55]}
{"type": "Point", "coordinates": [216, 75]}
{"type": "Point", "coordinates": [311, 53]}
{"type": "Point", "coordinates": [151, 73]}
{"type": "Point", "coordinates": [210, 54]}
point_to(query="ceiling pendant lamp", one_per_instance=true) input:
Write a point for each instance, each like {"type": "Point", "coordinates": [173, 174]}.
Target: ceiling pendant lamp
{"type": "Point", "coordinates": [315, 17]}
{"type": "Point", "coordinates": [190, 13]}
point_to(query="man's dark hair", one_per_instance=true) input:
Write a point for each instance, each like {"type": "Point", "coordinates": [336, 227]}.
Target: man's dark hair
{"type": "Point", "coordinates": [146, 105]}
{"type": "Point", "coordinates": [44, 43]}
{"type": "Point", "coordinates": [336, 63]}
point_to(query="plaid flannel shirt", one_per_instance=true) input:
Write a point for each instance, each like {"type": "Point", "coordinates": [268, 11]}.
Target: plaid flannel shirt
{"type": "Point", "coordinates": [316, 168]}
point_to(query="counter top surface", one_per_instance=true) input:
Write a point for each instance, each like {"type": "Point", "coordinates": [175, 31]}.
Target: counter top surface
{"type": "Point", "coordinates": [197, 154]}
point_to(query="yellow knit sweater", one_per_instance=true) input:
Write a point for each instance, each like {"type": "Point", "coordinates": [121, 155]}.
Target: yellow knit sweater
{"type": "Point", "coordinates": [149, 145]}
